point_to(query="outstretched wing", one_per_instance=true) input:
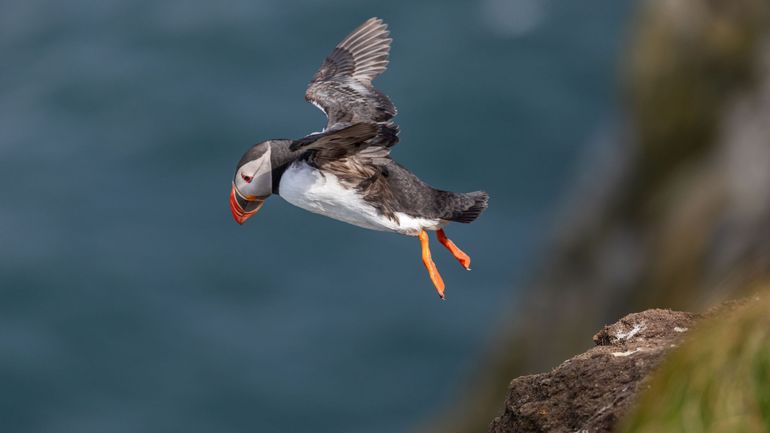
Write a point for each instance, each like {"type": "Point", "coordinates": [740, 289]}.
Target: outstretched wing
{"type": "Point", "coordinates": [342, 87]}
{"type": "Point", "coordinates": [356, 143]}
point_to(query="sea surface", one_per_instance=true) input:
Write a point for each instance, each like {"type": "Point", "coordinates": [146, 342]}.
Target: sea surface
{"type": "Point", "coordinates": [130, 301]}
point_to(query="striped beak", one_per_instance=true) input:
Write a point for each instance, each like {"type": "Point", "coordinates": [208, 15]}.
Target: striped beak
{"type": "Point", "coordinates": [242, 207]}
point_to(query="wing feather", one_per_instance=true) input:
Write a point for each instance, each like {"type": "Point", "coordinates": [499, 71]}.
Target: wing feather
{"type": "Point", "coordinates": [342, 87]}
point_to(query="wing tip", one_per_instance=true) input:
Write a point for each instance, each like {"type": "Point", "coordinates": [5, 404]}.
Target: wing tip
{"type": "Point", "coordinates": [377, 20]}
{"type": "Point", "coordinates": [372, 28]}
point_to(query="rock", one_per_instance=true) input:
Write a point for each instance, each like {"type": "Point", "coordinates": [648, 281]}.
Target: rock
{"type": "Point", "coordinates": [591, 391]}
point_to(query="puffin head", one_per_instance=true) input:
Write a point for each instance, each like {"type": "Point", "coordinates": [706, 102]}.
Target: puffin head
{"type": "Point", "coordinates": [253, 182]}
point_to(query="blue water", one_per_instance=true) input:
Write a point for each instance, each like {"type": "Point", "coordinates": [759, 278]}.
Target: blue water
{"type": "Point", "coordinates": [129, 299]}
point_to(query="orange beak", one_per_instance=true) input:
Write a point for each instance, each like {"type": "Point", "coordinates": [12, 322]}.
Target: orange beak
{"type": "Point", "coordinates": [243, 208]}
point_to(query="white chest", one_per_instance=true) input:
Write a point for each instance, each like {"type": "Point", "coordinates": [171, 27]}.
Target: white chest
{"type": "Point", "coordinates": [322, 193]}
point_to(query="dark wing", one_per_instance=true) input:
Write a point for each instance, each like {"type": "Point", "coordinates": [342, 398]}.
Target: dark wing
{"type": "Point", "coordinates": [342, 87]}
{"type": "Point", "coordinates": [338, 143]}
{"type": "Point", "coordinates": [360, 140]}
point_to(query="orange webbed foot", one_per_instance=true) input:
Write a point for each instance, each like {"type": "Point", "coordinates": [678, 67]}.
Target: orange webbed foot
{"type": "Point", "coordinates": [464, 259]}
{"type": "Point", "coordinates": [435, 277]}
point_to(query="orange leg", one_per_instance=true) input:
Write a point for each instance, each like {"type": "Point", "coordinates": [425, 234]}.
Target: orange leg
{"type": "Point", "coordinates": [461, 257]}
{"type": "Point", "coordinates": [432, 270]}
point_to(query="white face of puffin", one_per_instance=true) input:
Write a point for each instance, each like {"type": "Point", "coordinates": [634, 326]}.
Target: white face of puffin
{"type": "Point", "coordinates": [252, 184]}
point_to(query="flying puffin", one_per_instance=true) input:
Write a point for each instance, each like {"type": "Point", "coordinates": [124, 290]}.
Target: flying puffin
{"type": "Point", "coordinates": [345, 172]}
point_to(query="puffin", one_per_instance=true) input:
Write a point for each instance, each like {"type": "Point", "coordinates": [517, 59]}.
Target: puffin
{"type": "Point", "coordinates": [345, 172]}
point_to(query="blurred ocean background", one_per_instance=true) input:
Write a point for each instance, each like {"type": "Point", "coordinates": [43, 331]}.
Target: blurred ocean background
{"type": "Point", "coordinates": [129, 298]}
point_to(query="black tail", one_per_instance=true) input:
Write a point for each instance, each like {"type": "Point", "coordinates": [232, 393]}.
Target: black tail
{"type": "Point", "coordinates": [474, 204]}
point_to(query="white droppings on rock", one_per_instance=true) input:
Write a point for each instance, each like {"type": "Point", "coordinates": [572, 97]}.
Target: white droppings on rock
{"type": "Point", "coordinates": [623, 336]}
{"type": "Point", "coordinates": [626, 353]}
{"type": "Point", "coordinates": [678, 329]}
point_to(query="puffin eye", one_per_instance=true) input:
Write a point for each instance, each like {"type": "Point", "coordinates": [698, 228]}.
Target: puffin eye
{"type": "Point", "coordinates": [247, 178]}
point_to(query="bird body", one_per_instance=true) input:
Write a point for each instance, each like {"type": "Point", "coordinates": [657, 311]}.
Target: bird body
{"type": "Point", "coordinates": [311, 189]}
{"type": "Point", "coordinates": [346, 172]}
